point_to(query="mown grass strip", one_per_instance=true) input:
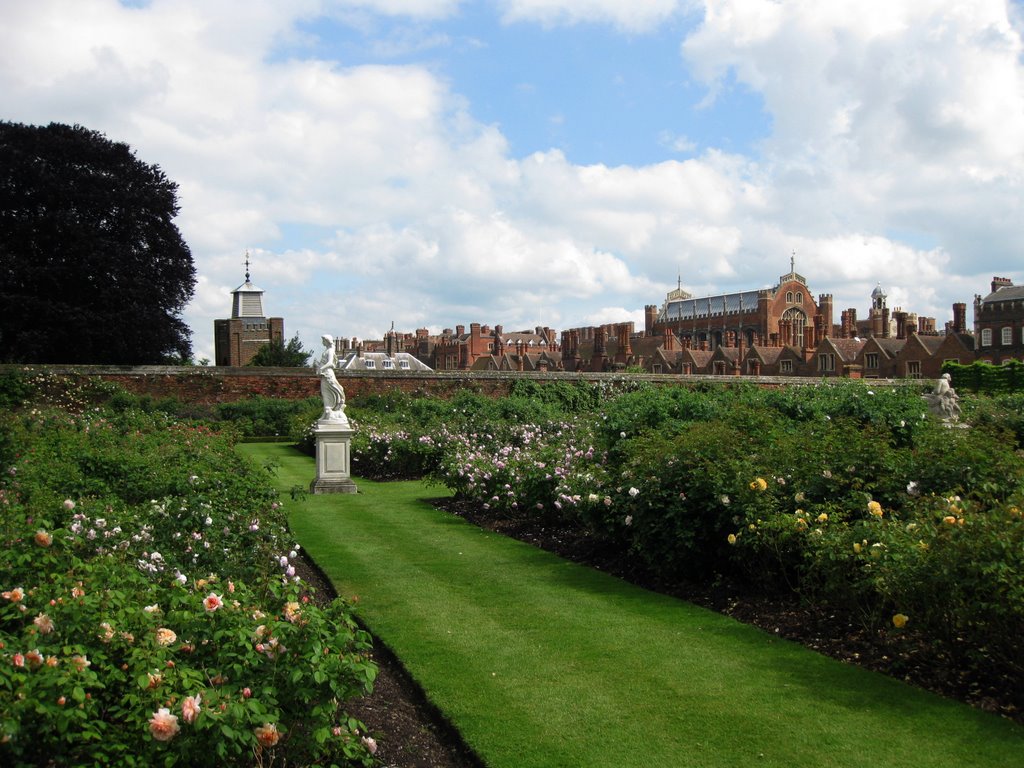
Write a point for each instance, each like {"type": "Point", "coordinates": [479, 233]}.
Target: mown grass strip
{"type": "Point", "coordinates": [540, 662]}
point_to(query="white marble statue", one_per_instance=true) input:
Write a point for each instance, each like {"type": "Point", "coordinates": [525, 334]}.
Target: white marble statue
{"type": "Point", "coordinates": [330, 390]}
{"type": "Point", "coordinates": [944, 401]}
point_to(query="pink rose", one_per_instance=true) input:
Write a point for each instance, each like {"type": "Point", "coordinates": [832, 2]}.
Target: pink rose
{"type": "Point", "coordinates": [190, 708]}
{"type": "Point", "coordinates": [163, 725]}
{"type": "Point", "coordinates": [212, 602]}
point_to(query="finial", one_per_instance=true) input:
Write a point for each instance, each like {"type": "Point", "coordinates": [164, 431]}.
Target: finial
{"type": "Point", "coordinates": [792, 261]}
{"type": "Point", "coordinates": [247, 265]}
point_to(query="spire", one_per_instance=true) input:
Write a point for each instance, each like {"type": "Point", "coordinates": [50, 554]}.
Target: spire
{"type": "Point", "coordinates": [792, 261]}
{"type": "Point", "coordinates": [247, 298]}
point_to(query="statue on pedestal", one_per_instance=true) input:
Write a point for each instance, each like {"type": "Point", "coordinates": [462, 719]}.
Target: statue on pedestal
{"type": "Point", "coordinates": [332, 431]}
{"type": "Point", "coordinates": [944, 401]}
{"type": "Point", "coordinates": [330, 390]}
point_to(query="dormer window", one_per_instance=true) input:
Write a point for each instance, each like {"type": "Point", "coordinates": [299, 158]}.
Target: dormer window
{"type": "Point", "coordinates": [369, 364]}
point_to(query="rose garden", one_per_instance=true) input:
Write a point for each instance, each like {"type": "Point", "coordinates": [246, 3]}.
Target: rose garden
{"type": "Point", "coordinates": [151, 612]}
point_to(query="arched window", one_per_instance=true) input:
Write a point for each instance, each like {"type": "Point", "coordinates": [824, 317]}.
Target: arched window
{"type": "Point", "coordinates": [798, 320]}
{"type": "Point", "coordinates": [799, 298]}
{"type": "Point", "coordinates": [789, 297]}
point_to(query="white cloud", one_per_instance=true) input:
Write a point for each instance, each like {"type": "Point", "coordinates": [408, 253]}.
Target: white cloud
{"type": "Point", "coordinates": [887, 118]}
{"type": "Point", "coordinates": [886, 115]}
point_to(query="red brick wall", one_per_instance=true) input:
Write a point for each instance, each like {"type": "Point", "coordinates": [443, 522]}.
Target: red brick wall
{"type": "Point", "coordinates": [221, 384]}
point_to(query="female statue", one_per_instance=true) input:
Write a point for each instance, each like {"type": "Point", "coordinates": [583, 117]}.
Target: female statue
{"type": "Point", "coordinates": [330, 390]}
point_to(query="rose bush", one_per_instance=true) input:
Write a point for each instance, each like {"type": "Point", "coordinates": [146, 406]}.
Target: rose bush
{"type": "Point", "coordinates": [836, 491]}
{"type": "Point", "coordinates": [149, 607]}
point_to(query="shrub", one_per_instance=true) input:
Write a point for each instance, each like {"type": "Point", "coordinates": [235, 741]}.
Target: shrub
{"type": "Point", "coordinates": [149, 607]}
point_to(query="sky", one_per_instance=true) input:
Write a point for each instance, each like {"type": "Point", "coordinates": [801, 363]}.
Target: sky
{"type": "Point", "coordinates": [560, 163]}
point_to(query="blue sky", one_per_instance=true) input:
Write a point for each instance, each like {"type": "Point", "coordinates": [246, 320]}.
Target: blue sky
{"type": "Point", "coordinates": [594, 92]}
{"type": "Point", "coordinates": [430, 163]}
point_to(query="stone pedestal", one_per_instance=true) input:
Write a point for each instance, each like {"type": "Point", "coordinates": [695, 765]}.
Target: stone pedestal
{"type": "Point", "coordinates": [333, 451]}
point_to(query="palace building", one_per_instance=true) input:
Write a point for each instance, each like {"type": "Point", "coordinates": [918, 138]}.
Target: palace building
{"type": "Point", "coordinates": [784, 316]}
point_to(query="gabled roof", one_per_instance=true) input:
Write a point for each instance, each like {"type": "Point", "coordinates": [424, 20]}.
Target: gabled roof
{"type": "Point", "coordinates": [890, 346]}
{"type": "Point", "coordinates": [848, 349]}
{"type": "Point", "coordinates": [768, 355]}
{"type": "Point", "coordinates": [930, 343]}
{"type": "Point", "coordinates": [700, 356]}
{"type": "Point", "coordinates": [966, 340]}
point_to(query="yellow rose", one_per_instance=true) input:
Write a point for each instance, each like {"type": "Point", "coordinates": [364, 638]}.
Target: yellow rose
{"type": "Point", "coordinates": [900, 620]}
{"type": "Point", "coordinates": [875, 508]}
{"type": "Point", "coordinates": [822, 518]}
{"type": "Point", "coordinates": [856, 547]}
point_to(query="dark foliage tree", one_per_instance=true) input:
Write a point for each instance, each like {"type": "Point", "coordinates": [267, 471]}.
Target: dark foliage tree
{"type": "Point", "coordinates": [279, 354]}
{"type": "Point", "coordinates": [92, 266]}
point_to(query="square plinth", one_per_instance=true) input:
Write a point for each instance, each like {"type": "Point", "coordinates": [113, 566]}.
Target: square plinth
{"type": "Point", "coordinates": [333, 458]}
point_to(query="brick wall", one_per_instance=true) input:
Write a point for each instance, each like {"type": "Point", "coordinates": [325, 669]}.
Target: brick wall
{"type": "Point", "coordinates": [221, 384]}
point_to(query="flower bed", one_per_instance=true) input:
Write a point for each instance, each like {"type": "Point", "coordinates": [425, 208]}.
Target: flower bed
{"type": "Point", "coordinates": [846, 496]}
{"type": "Point", "coordinates": [149, 608]}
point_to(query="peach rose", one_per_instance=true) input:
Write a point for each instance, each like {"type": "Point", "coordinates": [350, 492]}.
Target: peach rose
{"type": "Point", "coordinates": [163, 725]}
{"type": "Point", "coordinates": [267, 735]}
{"type": "Point", "coordinates": [190, 708]}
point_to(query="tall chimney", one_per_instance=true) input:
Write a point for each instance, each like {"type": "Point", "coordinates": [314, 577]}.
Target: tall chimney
{"type": "Point", "coordinates": [960, 317]}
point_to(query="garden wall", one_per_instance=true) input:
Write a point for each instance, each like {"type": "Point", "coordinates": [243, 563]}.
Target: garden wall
{"type": "Point", "coordinates": [209, 385]}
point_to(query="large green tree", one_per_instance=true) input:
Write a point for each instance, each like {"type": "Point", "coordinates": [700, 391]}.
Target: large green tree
{"type": "Point", "coordinates": [92, 266]}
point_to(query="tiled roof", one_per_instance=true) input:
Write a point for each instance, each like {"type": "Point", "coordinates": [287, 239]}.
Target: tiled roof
{"type": "Point", "coordinates": [1010, 293]}
{"type": "Point", "coordinates": [847, 348]}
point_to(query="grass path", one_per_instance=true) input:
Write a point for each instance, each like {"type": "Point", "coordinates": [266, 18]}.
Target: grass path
{"type": "Point", "coordinates": [541, 662]}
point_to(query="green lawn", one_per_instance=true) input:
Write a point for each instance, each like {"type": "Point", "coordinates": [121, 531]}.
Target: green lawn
{"type": "Point", "coordinates": [540, 662]}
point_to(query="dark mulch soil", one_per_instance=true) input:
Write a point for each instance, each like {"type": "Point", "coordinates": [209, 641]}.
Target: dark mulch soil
{"type": "Point", "coordinates": [411, 733]}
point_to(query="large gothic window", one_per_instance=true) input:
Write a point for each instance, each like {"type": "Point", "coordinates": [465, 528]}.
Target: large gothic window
{"type": "Point", "coordinates": [798, 320]}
